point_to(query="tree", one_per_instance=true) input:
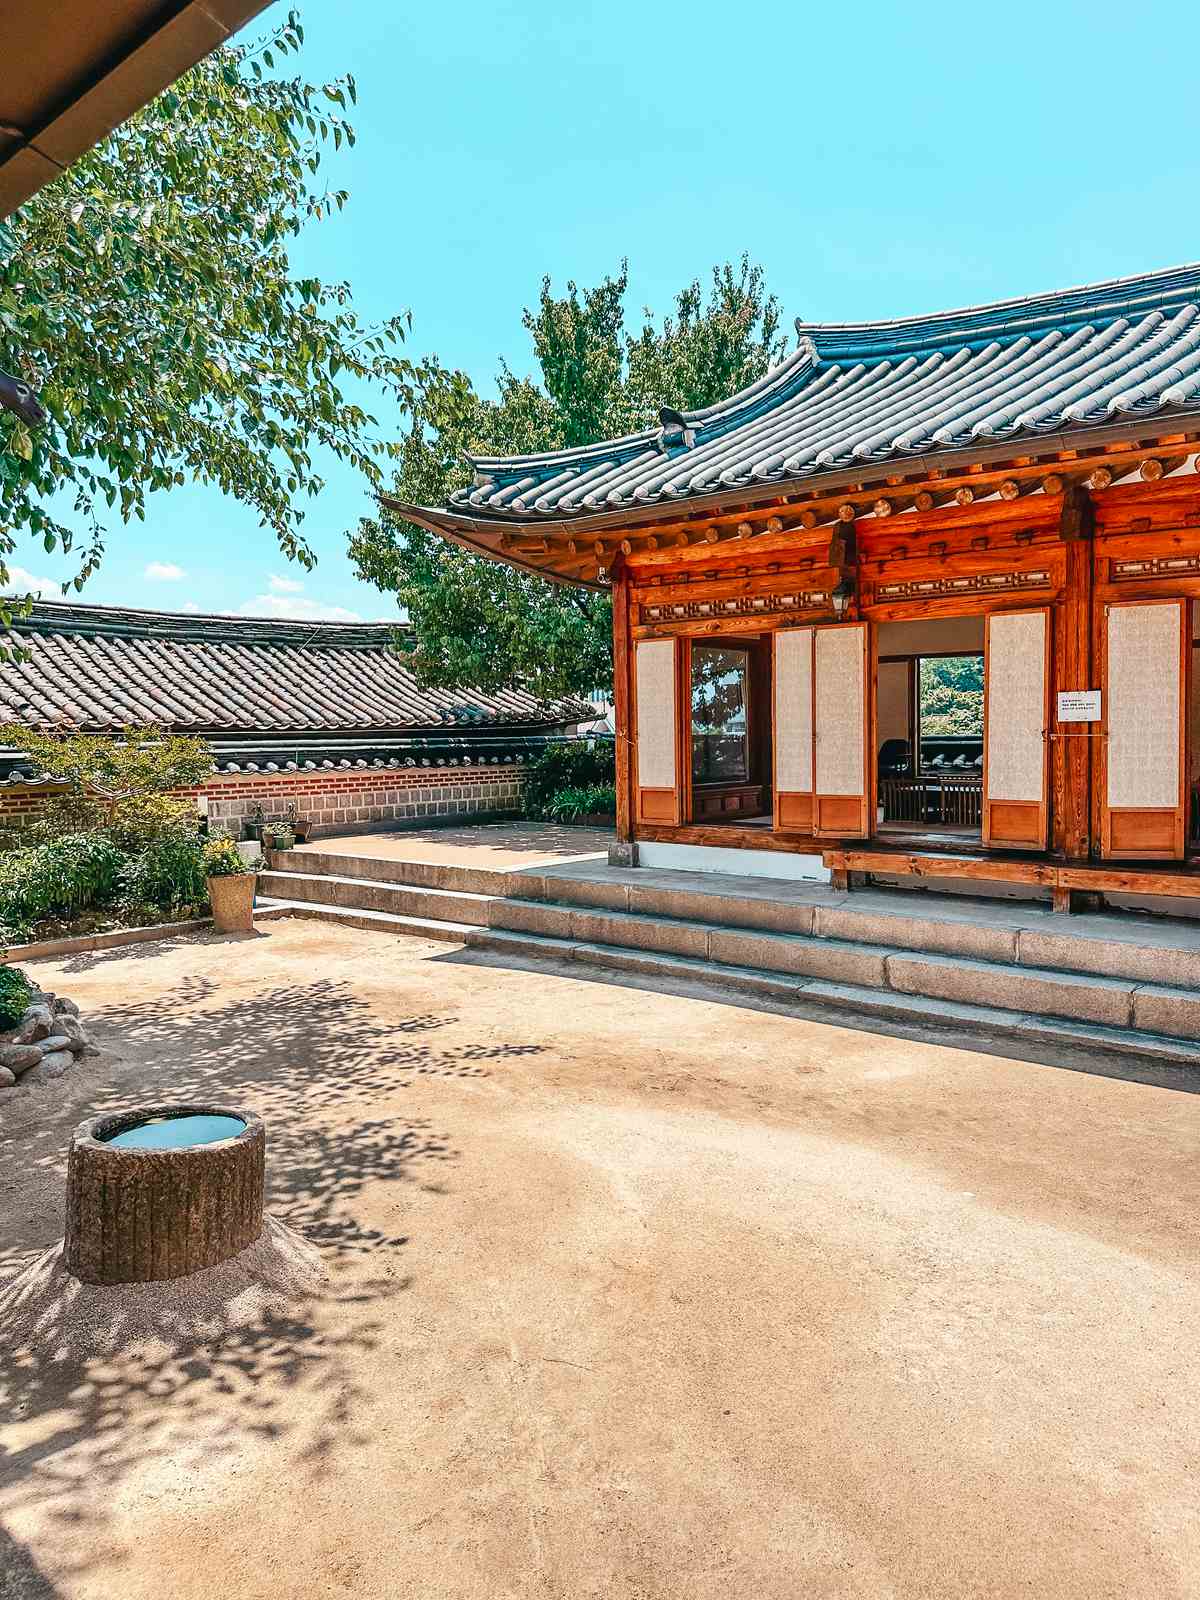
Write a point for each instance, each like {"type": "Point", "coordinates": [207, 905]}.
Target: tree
{"type": "Point", "coordinates": [479, 622]}
{"type": "Point", "coordinates": [951, 695]}
{"type": "Point", "coordinates": [119, 784]}
{"type": "Point", "coordinates": [148, 295]}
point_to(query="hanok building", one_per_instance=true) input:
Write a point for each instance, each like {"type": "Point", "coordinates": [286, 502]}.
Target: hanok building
{"type": "Point", "coordinates": [326, 717]}
{"type": "Point", "coordinates": [1016, 482]}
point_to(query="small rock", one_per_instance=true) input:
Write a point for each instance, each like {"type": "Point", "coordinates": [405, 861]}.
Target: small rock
{"type": "Point", "coordinates": [19, 1058]}
{"type": "Point", "coordinates": [56, 1042]}
{"type": "Point", "coordinates": [51, 1066]}
{"type": "Point", "coordinates": [63, 1007]}
{"type": "Point", "coordinates": [36, 1023]}
{"type": "Point", "coordinates": [7, 1078]}
{"type": "Point", "coordinates": [72, 1028]}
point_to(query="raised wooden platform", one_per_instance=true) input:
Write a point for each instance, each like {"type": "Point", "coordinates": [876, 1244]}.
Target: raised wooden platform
{"type": "Point", "coordinates": [1178, 882]}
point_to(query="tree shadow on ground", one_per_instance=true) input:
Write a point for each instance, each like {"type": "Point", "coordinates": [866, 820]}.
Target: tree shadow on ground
{"type": "Point", "coordinates": [1094, 1060]}
{"type": "Point", "coordinates": [20, 1576]}
{"type": "Point", "coordinates": [308, 1058]}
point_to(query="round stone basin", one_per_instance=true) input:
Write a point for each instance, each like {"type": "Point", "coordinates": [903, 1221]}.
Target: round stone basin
{"type": "Point", "coordinates": [173, 1133]}
{"type": "Point", "coordinates": [161, 1191]}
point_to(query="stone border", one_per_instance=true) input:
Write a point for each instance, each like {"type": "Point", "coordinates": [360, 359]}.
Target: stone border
{"type": "Point", "coordinates": [83, 942]}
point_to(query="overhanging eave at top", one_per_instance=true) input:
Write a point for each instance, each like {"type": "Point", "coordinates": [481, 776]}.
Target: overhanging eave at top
{"type": "Point", "coordinates": [73, 70]}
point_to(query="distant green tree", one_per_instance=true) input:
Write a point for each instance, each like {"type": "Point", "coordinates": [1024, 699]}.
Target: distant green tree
{"type": "Point", "coordinates": [951, 695]}
{"type": "Point", "coordinates": [149, 297]}
{"type": "Point", "coordinates": [478, 622]}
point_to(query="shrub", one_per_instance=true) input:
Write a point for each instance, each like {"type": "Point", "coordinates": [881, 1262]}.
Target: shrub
{"type": "Point", "coordinates": [130, 823]}
{"type": "Point", "coordinates": [167, 874]}
{"type": "Point", "coordinates": [594, 800]}
{"type": "Point", "coordinates": [15, 992]}
{"type": "Point", "coordinates": [570, 764]}
{"type": "Point", "coordinates": [221, 859]}
{"type": "Point", "coordinates": [59, 879]}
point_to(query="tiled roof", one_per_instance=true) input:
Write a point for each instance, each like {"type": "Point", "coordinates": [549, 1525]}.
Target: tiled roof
{"type": "Point", "coordinates": [856, 394]}
{"type": "Point", "coordinates": [97, 668]}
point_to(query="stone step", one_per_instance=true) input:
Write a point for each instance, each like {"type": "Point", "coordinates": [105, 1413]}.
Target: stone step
{"type": "Point", "coordinates": [415, 874]}
{"type": "Point", "coordinates": [848, 1001]}
{"type": "Point", "coordinates": [354, 917]}
{"type": "Point", "coordinates": [1110, 945]}
{"type": "Point", "coordinates": [1110, 1001]}
{"type": "Point", "coordinates": [365, 894]}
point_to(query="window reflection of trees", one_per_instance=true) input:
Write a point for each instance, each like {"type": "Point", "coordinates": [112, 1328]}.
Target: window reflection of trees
{"type": "Point", "coordinates": [720, 746]}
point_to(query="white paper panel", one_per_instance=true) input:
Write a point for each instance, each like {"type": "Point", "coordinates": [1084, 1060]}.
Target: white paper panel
{"type": "Point", "coordinates": [656, 714]}
{"type": "Point", "coordinates": [1143, 705]}
{"type": "Point", "coordinates": [1016, 706]}
{"type": "Point", "coordinates": [793, 710]}
{"type": "Point", "coordinates": [840, 698]}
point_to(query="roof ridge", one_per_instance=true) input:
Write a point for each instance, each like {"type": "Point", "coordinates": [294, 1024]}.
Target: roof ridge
{"type": "Point", "coordinates": [1134, 295]}
{"type": "Point", "coordinates": [60, 616]}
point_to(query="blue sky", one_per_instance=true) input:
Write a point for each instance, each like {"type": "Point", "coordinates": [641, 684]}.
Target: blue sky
{"type": "Point", "coordinates": [877, 160]}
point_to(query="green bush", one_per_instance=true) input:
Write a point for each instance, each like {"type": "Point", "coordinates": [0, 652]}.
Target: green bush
{"type": "Point", "coordinates": [131, 823]}
{"type": "Point", "coordinates": [572, 764]}
{"type": "Point", "coordinates": [167, 874]}
{"type": "Point", "coordinates": [594, 800]}
{"type": "Point", "coordinates": [61, 879]}
{"type": "Point", "coordinates": [15, 991]}
{"type": "Point", "coordinates": [221, 859]}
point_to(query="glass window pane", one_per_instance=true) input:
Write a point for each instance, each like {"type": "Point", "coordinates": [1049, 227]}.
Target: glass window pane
{"type": "Point", "coordinates": [720, 747]}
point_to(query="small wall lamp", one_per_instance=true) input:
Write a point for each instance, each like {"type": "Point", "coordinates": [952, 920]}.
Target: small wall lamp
{"type": "Point", "coordinates": [842, 596]}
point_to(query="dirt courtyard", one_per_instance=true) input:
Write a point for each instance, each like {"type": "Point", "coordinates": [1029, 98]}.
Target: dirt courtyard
{"type": "Point", "coordinates": [633, 1294]}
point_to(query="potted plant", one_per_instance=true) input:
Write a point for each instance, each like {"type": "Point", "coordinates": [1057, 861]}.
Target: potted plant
{"type": "Point", "coordinates": [230, 885]}
{"type": "Point", "coordinates": [278, 836]}
{"type": "Point", "coordinates": [252, 823]}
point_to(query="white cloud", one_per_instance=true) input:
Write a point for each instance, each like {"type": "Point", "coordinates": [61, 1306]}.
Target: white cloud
{"type": "Point", "coordinates": [296, 609]}
{"type": "Point", "coordinates": [190, 606]}
{"type": "Point", "coordinates": [22, 582]}
{"type": "Point", "coordinates": [163, 572]}
{"type": "Point", "coordinates": [278, 585]}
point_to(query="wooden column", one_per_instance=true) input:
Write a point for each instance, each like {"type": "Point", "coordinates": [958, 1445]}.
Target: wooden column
{"type": "Point", "coordinates": [622, 699]}
{"type": "Point", "coordinates": [1071, 754]}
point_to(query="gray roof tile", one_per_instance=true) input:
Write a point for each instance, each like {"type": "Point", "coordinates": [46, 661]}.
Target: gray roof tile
{"type": "Point", "coordinates": [97, 668]}
{"type": "Point", "coordinates": [865, 393]}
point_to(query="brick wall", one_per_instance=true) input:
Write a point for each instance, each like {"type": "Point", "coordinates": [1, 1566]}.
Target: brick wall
{"type": "Point", "coordinates": [340, 799]}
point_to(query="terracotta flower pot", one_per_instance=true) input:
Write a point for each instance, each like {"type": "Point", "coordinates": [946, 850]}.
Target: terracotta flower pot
{"type": "Point", "coordinates": [232, 898]}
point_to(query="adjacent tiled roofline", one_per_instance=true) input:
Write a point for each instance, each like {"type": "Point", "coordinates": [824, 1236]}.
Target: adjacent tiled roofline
{"type": "Point", "coordinates": [125, 622]}
{"type": "Point", "coordinates": [99, 668]}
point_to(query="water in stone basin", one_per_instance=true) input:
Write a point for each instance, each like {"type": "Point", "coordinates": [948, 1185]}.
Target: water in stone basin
{"type": "Point", "coordinates": [171, 1133]}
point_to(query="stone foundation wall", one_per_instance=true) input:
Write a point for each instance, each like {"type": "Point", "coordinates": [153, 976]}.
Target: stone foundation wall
{"type": "Point", "coordinates": [335, 800]}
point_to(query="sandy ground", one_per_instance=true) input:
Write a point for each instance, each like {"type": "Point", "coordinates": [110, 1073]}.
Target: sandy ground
{"type": "Point", "coordinates": [632, 1294]}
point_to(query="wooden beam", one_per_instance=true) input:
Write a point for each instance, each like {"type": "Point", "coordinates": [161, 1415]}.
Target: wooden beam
{"type": "Point", "coordinates": [1077, 517]}
{"type": "Point", "coordinates": [622, 697]}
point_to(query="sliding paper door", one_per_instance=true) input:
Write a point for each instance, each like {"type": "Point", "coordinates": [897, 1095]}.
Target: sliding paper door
{"type": "Point", "coordinates": [1145, 646]}
{"type": "Point", "coordinates": [793, 731]}
{"type": "Point", "coordinates": [841, 783]}
{"type": "Point", "coordinates": [1016, 676]}
{"type": "Point", "coordinates": [656, 686]}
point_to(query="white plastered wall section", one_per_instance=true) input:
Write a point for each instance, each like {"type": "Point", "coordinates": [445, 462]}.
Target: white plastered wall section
{"type": "Point", "coordinates": [740, 863]}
